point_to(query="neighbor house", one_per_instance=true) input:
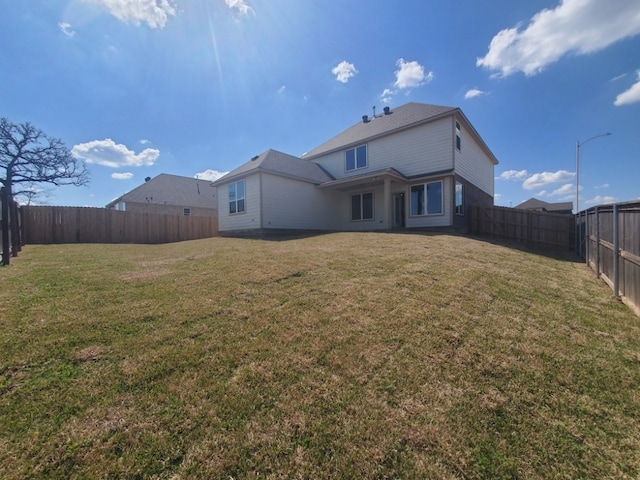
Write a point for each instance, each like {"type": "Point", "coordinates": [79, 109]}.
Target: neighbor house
{"type": "Point", "coordinates": [171, 195]}
{"type": "Point", "coordinates": [416, 166]}
{"type": "Point", "coordinates": [542, 206]}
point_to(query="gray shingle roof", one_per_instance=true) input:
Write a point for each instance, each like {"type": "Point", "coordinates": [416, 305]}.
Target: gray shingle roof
{"type": "Point", "coordinates": [535, 204]}
{"type": "Point", "coordinates": [172, 190]}
{"type": "Point", "coordinates": [273, 161]}
{"type": "Point", "coordinates": [399, 118]}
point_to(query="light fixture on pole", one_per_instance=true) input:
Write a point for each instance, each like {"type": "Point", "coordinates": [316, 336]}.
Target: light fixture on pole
{"type": "Point", "coordinates": [578, 145]}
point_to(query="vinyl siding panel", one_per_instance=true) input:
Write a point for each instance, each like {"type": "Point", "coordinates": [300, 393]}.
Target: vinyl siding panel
{"type": "Point", "coordinates": [295, 204]}
{"type": "Point", "coordinates": [473, 164]}
{"type": "Point", "coordinates": [423, 149]}
{"type": "Point", "coordinates": [419, 150]}
{"type": "Point", "coordinates": [248, 220]}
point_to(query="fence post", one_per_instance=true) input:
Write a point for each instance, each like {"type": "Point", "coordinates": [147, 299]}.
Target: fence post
{"type": "Point", "coordinates": [616, 252]}
{"type": "Point", "coordinates": [586, 237]}
{"type": "Point", "coordinates": [597, 211]}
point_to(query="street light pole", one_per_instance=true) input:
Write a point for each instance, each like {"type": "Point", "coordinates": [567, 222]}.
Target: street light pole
{"type": "Point", "coordinates": [578, 145]}
{"type": "Point", "coordinates": [578, 229]}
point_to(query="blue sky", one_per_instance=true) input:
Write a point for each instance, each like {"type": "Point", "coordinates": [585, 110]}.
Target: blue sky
{"type": "Point", "coordinates": [197, 87]}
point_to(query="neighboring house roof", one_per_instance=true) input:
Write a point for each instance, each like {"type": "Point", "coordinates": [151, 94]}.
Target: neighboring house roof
{"type": "Point", "coordinates": [535, 204]}
{"type": "Point", "coordinates": [403, 117]}
{"type": "Point", "coordinates": [273, 161]}
{"type": "Point", "coordinates": [171, 190]}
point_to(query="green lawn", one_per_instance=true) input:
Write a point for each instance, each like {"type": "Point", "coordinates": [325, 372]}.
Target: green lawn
{"type": "Point", "coordinates": [367, 356]}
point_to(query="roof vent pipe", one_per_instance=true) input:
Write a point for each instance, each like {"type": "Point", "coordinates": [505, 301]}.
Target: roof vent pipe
{"type": "Point", "coordinates": [365, 118]}
{"type": "Point", "coordinates": [387, 110]}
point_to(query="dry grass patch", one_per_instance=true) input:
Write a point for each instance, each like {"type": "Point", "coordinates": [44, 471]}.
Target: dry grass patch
{"type": "Point", "coordinates": [337, 356]}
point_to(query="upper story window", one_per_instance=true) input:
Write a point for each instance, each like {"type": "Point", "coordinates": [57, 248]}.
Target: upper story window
{"type": "Point", "coordinates": [356, 158]}
{"type": "Point", "coordinates": [458, 141]}
{"type": "Point", "coordinates": [186, 212]}
{"type": "Point", "coordinates": [426, 199]}
{"type": "Point", "coordinates": [236, 197]}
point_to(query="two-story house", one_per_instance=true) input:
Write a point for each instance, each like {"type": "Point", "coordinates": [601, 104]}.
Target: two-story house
{"type": "Point", "coordinates": [416, 166]}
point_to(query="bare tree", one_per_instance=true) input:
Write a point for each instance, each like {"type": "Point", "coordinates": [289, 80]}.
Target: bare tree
{"type": "Point", "coordinates": [27, 157]}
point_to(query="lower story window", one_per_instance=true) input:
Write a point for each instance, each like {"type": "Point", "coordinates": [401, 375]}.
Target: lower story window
{"type": "Point", "coordinates": [362, 206]}
{"type": "Point", "coordinates": [426, 199]}
{"type": "Point", "coordinates": [459, 198]}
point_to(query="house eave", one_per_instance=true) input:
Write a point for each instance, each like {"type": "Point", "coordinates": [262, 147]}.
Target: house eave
{"type": "Point", "coordinates": [378, 177]}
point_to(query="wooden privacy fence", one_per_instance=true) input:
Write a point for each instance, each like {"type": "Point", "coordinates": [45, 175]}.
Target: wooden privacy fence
{"type": "Point", "coordinates": [609, 240]}
{"type": "Point", "coordinates": [101, 225]}
{"type": "Point", "coordinates": [537, 229]}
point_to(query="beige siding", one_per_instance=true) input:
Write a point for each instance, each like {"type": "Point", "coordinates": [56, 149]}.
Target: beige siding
{"type": "Point", "coordinates": [420, 150]}
{"type": "Point", "coordinates": [473, 164]}
{"type": "Point", "coordinates": [248, 220]}
{"type": "Point", "coordinates": [289, 203]}
{"type": "Point", "coordinates": [423, 149]}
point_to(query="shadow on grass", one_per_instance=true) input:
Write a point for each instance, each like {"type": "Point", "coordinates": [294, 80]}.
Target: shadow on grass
{"type": "Point", "coordinates": [280, 235]}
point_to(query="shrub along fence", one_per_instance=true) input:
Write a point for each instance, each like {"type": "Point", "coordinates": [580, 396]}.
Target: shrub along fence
{"type": "Point", "coordinates": [45, 224]}
{"type": "Point", "coordinates": [535, 229]}
{"type": "Point", "coordinates": [608, 238]}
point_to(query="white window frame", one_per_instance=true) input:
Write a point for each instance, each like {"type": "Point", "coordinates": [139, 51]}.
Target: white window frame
{"type": "Point", "coordinates": [458, 137]}
{"type": "Point", "coordinates": [356, 157]}
{"type": "Point", "coordinates": [237, 200]}
{"type": "Point", "coordinates": [459, 207]}
{"type": "Point", "coordinates": [425, 202]}
{"type": "Point", "coordinates": [362, 218]}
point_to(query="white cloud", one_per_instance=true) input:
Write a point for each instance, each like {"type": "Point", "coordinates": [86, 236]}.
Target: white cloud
{"type": "Point", "coordinates": [66, 29]}
{"type": "Point", "coordinates": [565, 189]}
{"type": "Point", "coordinates": [411, 74]}
{"type": "Point", "coordinates": [574, 26]}
{"type": "Point", "coordinates": [604, 185]}
{"type": "Point", "coordinates": [387, 95]}
{"type": "Point", "coordinates": [538, 180]}
{"type": "Point", "coordinates": [513, 175]}
{"type": "Point", "coordinates": [210, 175]}
{"type": "Point", "coordinates": [154, 13]}
{"type": "Point", "coordinates": [631, 95]}
{"type": "Point", "coordinates": [618, 77]}
{"type": "Point", "coordinates": [344, 71]}
{"type": "Point", "coordinates": [282, 89]}
{"type": "Point", "coordinates": [474, 92]}
{"type": "Point", "coordinates": [144, 141]}
{"type": "Point", "coordinates": [240, 6]}
{"type": "Point", "coordinates": [110, 154]}
{"type": "Point", "coordinates": [122, 176]}
{"type": "Point", "coordinates": [408, 75]}
{"type": "Point", "coordinates": [600, 200]}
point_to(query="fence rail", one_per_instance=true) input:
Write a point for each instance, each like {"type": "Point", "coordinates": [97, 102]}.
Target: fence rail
{"type": "Point", "coordinates": [44, 224]}
{"type": "Point", "coordinates": [537, 229]}
{"type": "Point", "coordinates": [609, 241]}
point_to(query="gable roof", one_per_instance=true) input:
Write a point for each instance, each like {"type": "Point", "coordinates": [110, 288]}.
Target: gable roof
{"type": "Point", "coordinates": [535, 204]}
{"type": "Point", "coordinates": [171, 190]}
{"type": "Point", "coordinates": [405, 116]}
{"type": "Point", "coordinates": [273, 161]}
